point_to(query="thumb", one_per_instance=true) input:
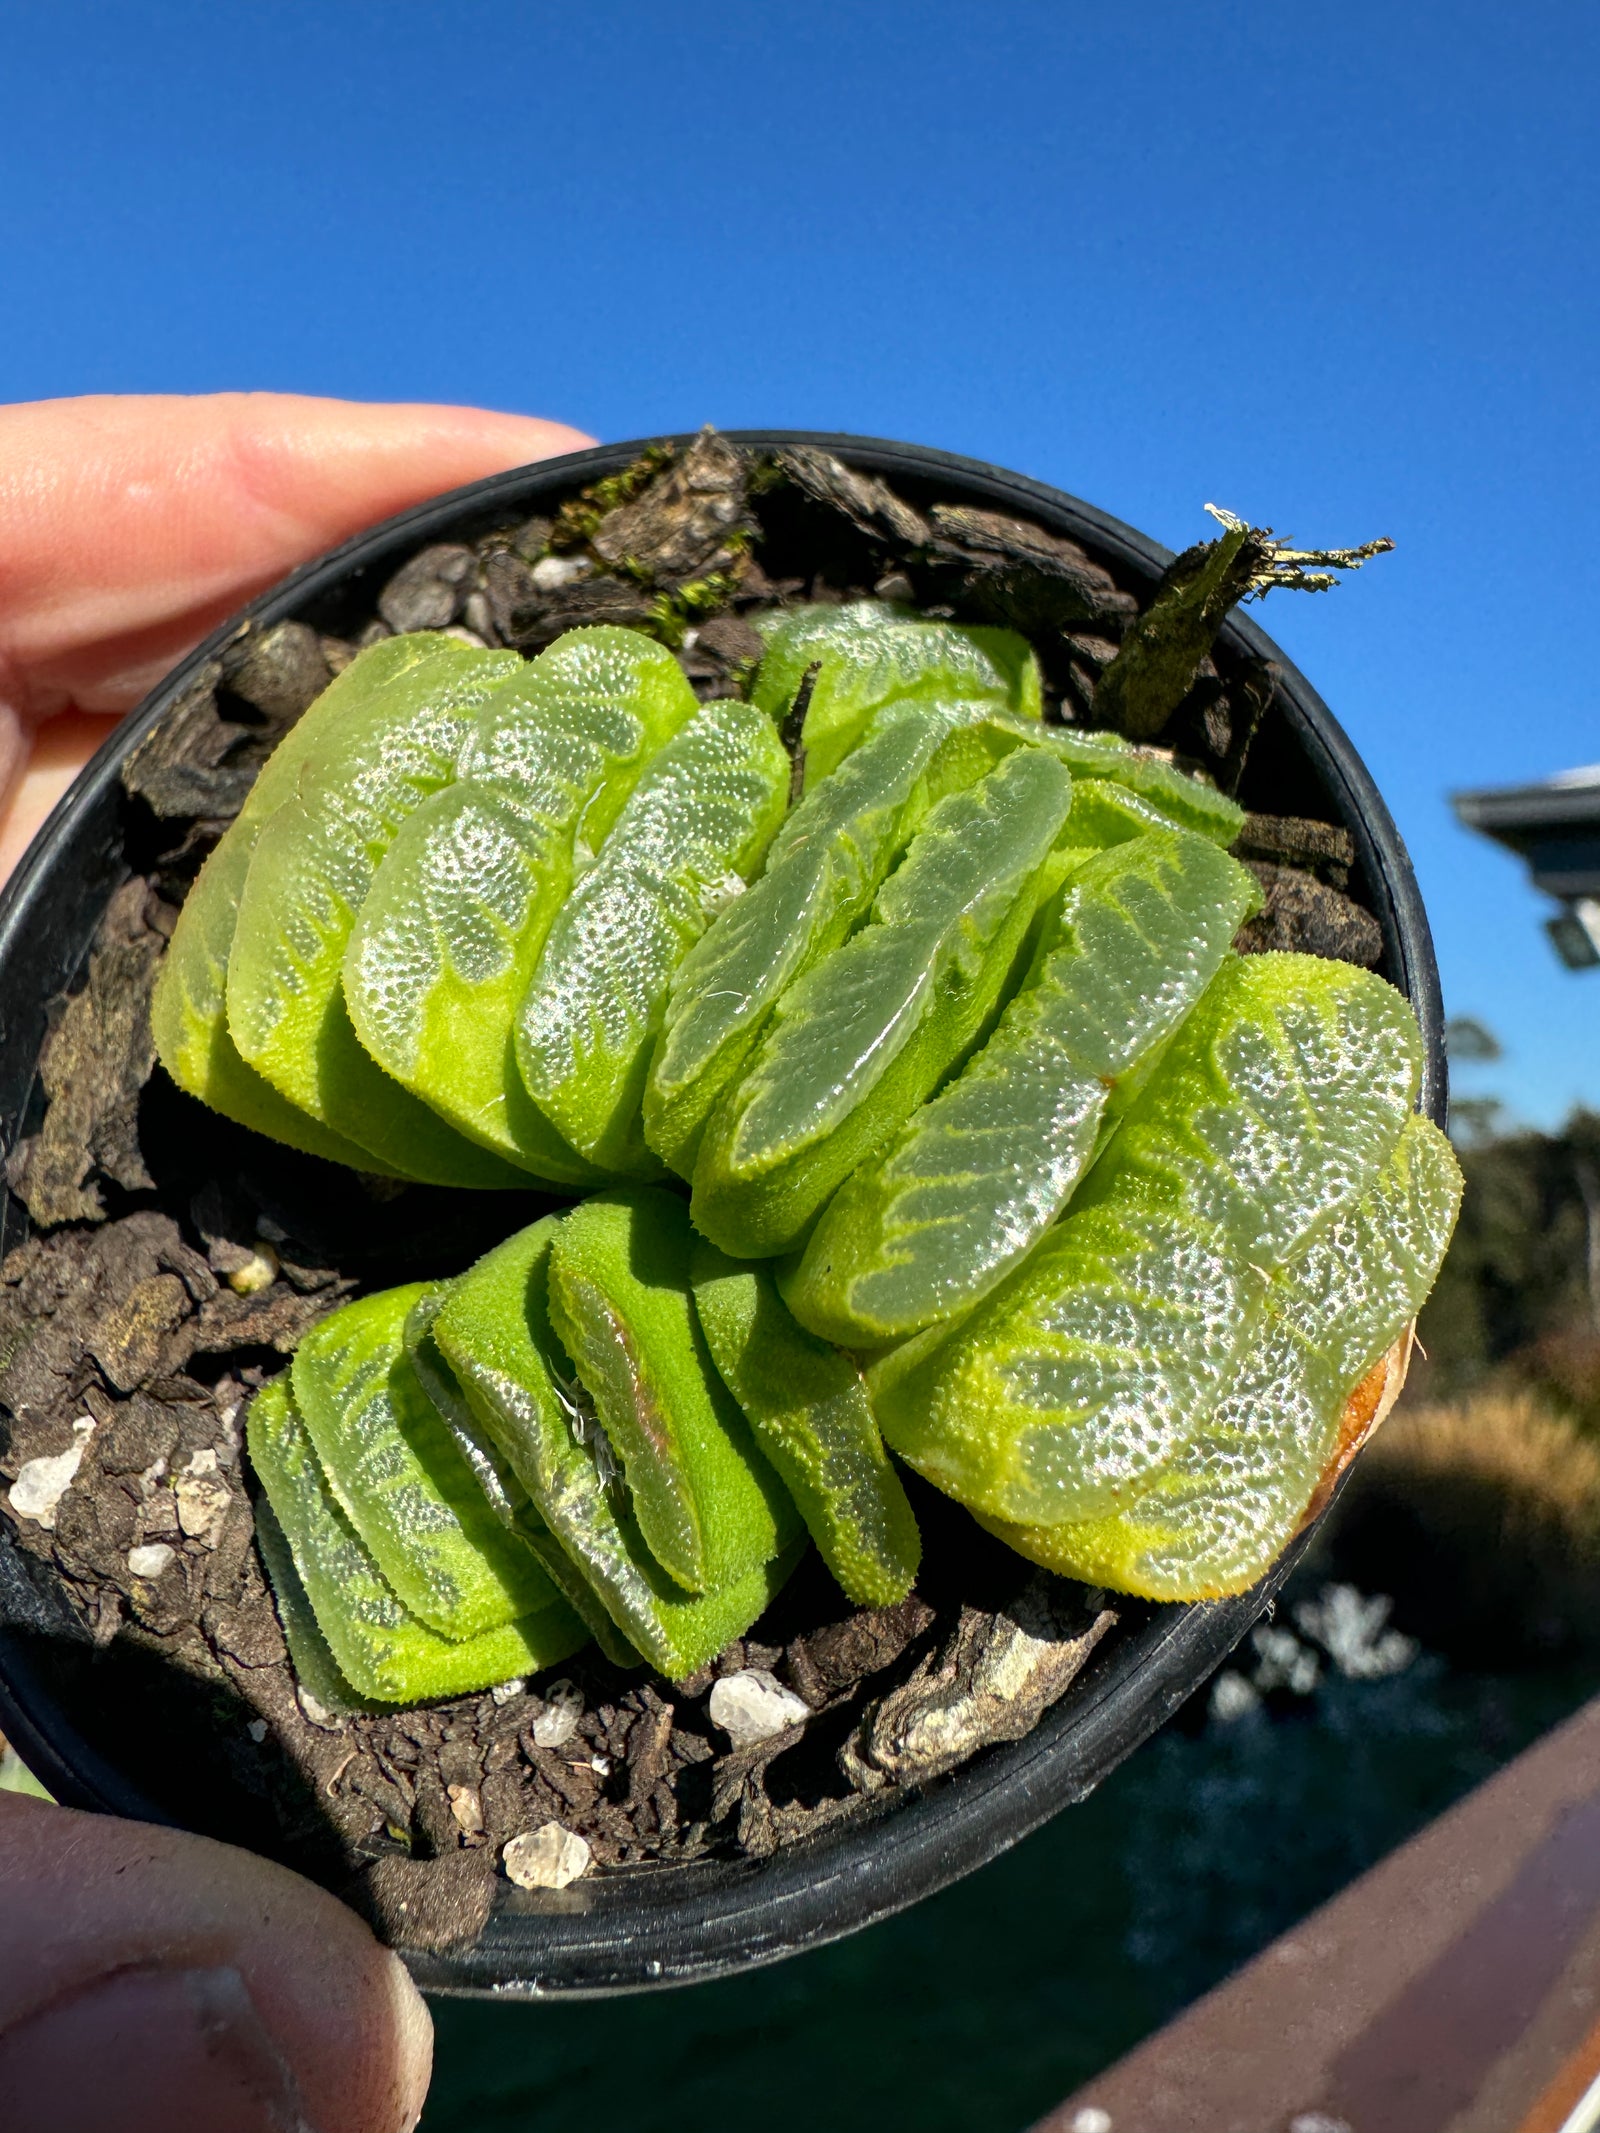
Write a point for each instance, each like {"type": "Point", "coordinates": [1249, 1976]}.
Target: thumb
{"type": "Point", "coordinates": [154, 1980]}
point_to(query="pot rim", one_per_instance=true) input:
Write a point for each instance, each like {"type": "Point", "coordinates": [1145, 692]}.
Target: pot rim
{"type": "Point", "coordinates": [653, 1927]}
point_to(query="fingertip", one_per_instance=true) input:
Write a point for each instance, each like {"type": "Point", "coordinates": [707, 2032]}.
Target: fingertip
{"type": "Point", "coordinates": [116, 1929]}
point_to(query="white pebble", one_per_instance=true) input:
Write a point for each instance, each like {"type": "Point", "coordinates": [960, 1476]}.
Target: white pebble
{"type": "Point", "coordinates": [466, 1804]}
{"type": "Point", "coordinates": [257, 1730]}
{"type": "Point", "coordinates": [558, 1721]}
{"type": "Point", "coordinates": [41, 1483]}
{"type": "Point", "coordinates": [545, 1858]}
{"type": "Point", "coordinates": [151, 1560]}
{"type": "Point", "coordinates": [203, 1498]}
{"type": "Point", "coordinates": [754, 1705]}
{"type": "Point", "coordinates": [1090, 2119]}
{"type": "Point", "coordinates": [503, 1691]}
{"type": "Point", "coordinates": [551, 572]}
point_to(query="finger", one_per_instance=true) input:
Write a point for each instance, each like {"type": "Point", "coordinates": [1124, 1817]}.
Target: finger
{"type": "Point", "coordinates": [129, 526]}
{"type": "Point", "coordinates": [40, 773]}
{"type": "Point", "coordinates": [154, 1980]}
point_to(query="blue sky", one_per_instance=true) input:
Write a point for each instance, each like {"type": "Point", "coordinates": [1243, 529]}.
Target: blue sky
{"type": "Point", "coordinates": [1335, 272]}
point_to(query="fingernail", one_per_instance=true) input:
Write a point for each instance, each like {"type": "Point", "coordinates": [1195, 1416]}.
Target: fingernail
{"type": "Point", "coordinates": [149, 2051]}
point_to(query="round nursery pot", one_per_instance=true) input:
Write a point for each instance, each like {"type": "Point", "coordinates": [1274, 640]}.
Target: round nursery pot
{"type": "Point", "coordinates": [634, 1929]}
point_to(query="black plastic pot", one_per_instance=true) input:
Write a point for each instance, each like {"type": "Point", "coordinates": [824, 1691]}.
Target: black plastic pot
{"type": "Point", "coordinates": [679, 1924]}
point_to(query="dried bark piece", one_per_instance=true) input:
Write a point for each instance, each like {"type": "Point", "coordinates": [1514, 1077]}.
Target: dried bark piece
{"type": "Point", "coordinates": [869, 504]}
{"type": "Point", "coordinates": [280, 671]}
{"type": "Point", "coordinates": [1302, 915]}
{"type": "Point", "coordinates": [731, 640]}
{"type": "Point", "coordinates": [601, 598]}
{"type": "Point", "coordinates": [130, 1341]}
{"type": "Point", "coordinates": [690, 520]}
{"type": "Point", "coordinates": [1320, 848]}
{"type": "Point", "coordinates": [187, 764]}
{"type": "Point", "coordinates": [1018, 573]}
{"type": "Point", "coordinates": [95, 1061]}
{"type": "Point", "coordinates": [992, 1681]}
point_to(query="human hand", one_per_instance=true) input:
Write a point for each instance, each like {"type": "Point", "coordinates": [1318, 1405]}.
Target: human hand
{"type": "Point", "coordinates": [130, 526]}
{"type": "Point", "coordinates": [150, 1979]}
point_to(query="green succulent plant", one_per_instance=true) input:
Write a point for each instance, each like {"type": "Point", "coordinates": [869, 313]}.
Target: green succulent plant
{"type": "Point", "coordinates": [999, 1159]}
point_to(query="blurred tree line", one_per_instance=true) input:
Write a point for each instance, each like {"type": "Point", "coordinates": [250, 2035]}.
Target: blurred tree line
{"type": "Point", "coordinates": [1519, 1293]}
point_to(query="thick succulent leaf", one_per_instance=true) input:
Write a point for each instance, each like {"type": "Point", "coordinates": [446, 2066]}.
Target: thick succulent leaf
{"type": "Point", "coordinates": [860, 1039]}
{"type": "Point", "coordinates": [1082, 1373]}
{"type": "Point", "coordinates": [567, 736]}
{"type": "Point", "coordinates": [825, 866]}
{"type": "Point", "coordinates": [1274, 1110]}
{"type": "Point", "coordinates": [379, 1647]}
{"type": "Point", "coordinates": [706, 1502]}
{"type": "Point", "coordinates": [1186, 802]}
{"type": "Point", "coordinates": [1277, 1104]}
{"type": "Point", "coordinates": [1219, 1515]}
{"type": "Point", "coordinates": [441, 955]}
{"type": "Point", "coordinates": [696, 827]}
{"type": "Point", "coordinates": [455, 920]}
{"type": "Point", "coordinates": [189, 1018]}
{"type": "Point", "coordinates": [507, 1496]}
{"type": "Point", "coordinates": [313, 864]}
{"type": "Point", "coordinates": [871, 653]}
{"type": "Point", "coordinates": [496, 1334]}
{"type": "Point", "coordinates": [502, 1491]}
{"type": "Point", "coordinates": [189, 1010]}
{"type": "Point", "coordinates": [1366, 1276]}
{"type": "Point", "coordinates": [385, 680]}
{"type": "Point", "coordinates": [977, 1175]}
{"type": "Point", "coordinates": [400, 1477]}
{"type": "Point", "coordinates": [310, 1654]}
{"type": "Point", "coordinates": [811, 1415]}
{"type": "Point", "coordinates": [1105, 813]}
{"type": "Point", "coordinates": [301, 896]}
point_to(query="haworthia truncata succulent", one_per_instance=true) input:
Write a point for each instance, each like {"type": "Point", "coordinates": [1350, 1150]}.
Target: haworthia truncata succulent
{"type": "Point", "coordinates": [696, 827]}
{"type": "Point", "coordinates": [977, 1175]}
{"type": "Point", "coordinates": [863, 1036]}
{"type": "Point", "coordinates": [1218, 1515]}
{"type": "Point", "coordinates": [869, 653]}
{"type": "Point", "coordinates": [400, 1477]}
{"type": "Point", "coordinates": [1276, 1107]}
{"type": "Point", "coordinates": [381, 1648]}
{"type": "Point", "coordinates": [457, 915]}
{"type": "Point", "coordinates": [809, 1409]}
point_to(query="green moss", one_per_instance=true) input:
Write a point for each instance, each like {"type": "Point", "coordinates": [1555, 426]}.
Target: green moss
{"type": "Point", "coordinates": [579, 517]}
